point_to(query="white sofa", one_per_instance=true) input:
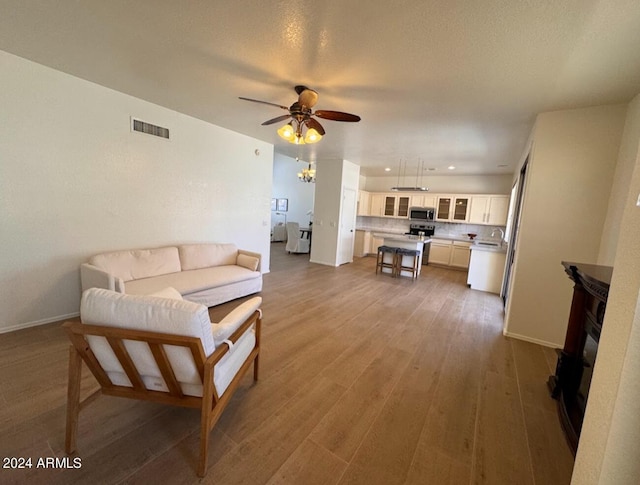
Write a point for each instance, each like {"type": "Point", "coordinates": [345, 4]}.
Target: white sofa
{"type": "Point", "coordinates": [209, 274]}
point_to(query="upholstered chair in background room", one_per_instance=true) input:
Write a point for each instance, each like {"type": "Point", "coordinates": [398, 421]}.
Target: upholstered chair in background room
{"type": "Point", "coordinates": [295, 243]}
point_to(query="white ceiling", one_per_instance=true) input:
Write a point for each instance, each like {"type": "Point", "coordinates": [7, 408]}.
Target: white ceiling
{"type": "Point", "coordinates": [443, 81]}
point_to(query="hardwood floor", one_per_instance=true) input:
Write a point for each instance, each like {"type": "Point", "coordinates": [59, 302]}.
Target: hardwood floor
{"type": "Point", "coordinates": [365, 379]}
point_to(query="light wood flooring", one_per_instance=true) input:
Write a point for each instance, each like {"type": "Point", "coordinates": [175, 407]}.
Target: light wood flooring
{"type": "Point", "coordinates": [365, 379]}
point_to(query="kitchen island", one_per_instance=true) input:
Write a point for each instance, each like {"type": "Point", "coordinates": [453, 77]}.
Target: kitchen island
{"type": "Point", "coordinates": [403, 241]}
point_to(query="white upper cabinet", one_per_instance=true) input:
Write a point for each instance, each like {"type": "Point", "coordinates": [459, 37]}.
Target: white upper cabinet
{"type": "Point", "coordinates": [444, 203]}
{"type": "Point", "coordinates": [461, 209]}
{"type": "Point", "coordinates": [376, 205]}
{"type": "Point", "coordinates": [364, 203]}
{"type": "Point", "coordinates": [498, 210]}
{"type": "Point", "coordinates": [451, 208]}
{"type": "Point", "coordinates": [479, 209]}
{"type": "Point", "coordinates": [423, 201]}
{"type": "Point", "coordinates": [489, 209]}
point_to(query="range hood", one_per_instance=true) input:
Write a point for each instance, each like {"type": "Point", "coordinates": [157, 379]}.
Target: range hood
{"type": "Point", "coordinates": [415, 188]}
{"type": "Point", "coordinates": [410, 189]}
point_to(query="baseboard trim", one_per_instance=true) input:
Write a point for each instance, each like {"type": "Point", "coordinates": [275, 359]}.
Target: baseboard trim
{"type": "Point", "coordinates": [44, 321]}
{"type": "Point", "coordinates": [532, 340]}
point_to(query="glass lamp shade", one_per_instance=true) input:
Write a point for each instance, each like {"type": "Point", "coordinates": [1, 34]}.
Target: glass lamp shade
{"type": "Point", "coordinates": [287, 133]}
{"type": "Point", "coordinates": [312, 136]}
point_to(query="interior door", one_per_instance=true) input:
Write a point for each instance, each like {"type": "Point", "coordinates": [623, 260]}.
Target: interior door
{"type": "Point", "coordinates": [346, 235]}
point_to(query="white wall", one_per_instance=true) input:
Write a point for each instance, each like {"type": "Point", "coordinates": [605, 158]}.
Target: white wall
{"type": "Point", "coordinates": [565, 204]}
{"type": "Point", "coordinates": [442, 184]}
{"type": "Point", "coordinates": [332, 176]}
{"type": "Point", "coordinates": [75, 181]}
{"type": "Point", "coordinates": [621, 182]}
{"type": "Point", "coordinates": [608, 452]}
{"type": "Point", "coordinates": [286, 185]}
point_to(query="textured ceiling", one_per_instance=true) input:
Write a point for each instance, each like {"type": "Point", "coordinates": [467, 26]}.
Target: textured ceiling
{"type": "Point", "coordinates": [440, 81]}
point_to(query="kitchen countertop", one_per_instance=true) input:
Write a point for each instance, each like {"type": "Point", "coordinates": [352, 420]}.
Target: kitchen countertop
{"type": "Point", "coordinates": [401, 237]}
{"type": "Point", "coordinates": [451, 237]}
{"type": "Point", "coordinates": [492, 249]}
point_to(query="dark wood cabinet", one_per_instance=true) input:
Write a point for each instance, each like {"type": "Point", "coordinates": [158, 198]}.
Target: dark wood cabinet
{"type": "Point", "coordinates": [571, 382]}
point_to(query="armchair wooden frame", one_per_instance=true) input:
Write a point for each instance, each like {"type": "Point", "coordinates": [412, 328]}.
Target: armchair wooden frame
{"type": "Point", "coordinates": [210, 404]}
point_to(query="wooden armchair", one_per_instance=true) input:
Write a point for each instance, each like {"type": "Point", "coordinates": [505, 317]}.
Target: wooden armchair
{"type": "Point", "coordinates": [161, 349]}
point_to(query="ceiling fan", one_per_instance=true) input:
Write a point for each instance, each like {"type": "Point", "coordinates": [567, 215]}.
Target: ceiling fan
{"type": "Point", "coordinates": [301, 115]}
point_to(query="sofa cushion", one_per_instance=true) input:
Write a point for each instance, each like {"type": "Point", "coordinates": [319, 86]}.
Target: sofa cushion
{"type": "Point", "coordinates": [168, 292]}
{"type": "Point", "coordinates": [191, 281]}
{"type": "Point", "coordinates": [249, 262]}
{"type": "Point", "coordinates": [196, 256]}
{"type": "Point", "coordinates": [138, 263]}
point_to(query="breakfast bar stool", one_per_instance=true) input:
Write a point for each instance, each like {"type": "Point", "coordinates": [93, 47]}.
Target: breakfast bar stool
{"type": "Point", "coordinates": [415, 266]}
{"type": "Point", "coordinates": [381, 263]}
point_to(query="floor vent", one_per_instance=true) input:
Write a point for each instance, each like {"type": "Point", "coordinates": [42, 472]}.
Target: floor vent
{"type": "Point", "coordinates": [149, 129]}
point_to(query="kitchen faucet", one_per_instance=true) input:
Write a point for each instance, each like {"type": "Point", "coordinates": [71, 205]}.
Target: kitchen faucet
{"type": "Point", "coordinates": [493, 233]}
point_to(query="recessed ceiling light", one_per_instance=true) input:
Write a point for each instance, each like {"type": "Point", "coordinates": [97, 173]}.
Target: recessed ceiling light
{"type": "Point", "coordinates": [387, 169]}
{"type": "Point", "coordinates": [451, 167]}
{"type": "Point", "coordinates": [503, 165]}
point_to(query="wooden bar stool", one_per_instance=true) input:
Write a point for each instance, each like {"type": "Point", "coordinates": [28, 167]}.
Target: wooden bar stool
{"type": "Point", "coordinates": [381, 263]}
{"type": "Point", "coordinates": [415, 266]}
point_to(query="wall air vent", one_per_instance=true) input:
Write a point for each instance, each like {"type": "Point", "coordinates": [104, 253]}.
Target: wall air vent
{"type": "Point", "coordinates": [144, 127]}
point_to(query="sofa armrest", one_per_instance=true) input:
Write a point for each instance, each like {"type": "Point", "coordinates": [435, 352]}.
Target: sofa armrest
{"type": "Point", "coordinates": [93, 277]}
{"type": "Point", "coordinates": [255, 255]}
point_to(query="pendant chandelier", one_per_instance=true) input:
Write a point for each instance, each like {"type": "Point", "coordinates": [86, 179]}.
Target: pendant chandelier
{"type": "Point", "coordinates": [307, 175]}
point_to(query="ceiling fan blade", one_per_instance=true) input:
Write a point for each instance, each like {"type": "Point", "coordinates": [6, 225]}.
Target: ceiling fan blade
{"type": "Point", "coordinates": [306, 96]}
{"type": "Point", "coordinates": [312, 123]}
{"type": "Point", "coordinates": [264, 102]}
{"type": "Point", "coordinates": [336, 115]}
{"type": "Point", "coordinates": [276, 119]}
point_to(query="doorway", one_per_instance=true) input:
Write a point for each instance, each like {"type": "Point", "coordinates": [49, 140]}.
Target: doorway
{"type": "Point", "coordinates": [346, 235]}
{"type": "Point", "coordinates": [513, 229]}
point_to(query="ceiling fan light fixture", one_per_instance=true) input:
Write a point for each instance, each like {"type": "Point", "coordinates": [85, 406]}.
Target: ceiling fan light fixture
{"type": "Point", "coordinates": [312, 136]}
{"type": "Point", "coordinates": [287, 133]}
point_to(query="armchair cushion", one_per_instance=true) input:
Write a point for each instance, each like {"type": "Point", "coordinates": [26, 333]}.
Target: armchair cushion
{"type": "Point", "coordinates": [223, 330]}
{"type": "Point", "coordinates": [151, 314]}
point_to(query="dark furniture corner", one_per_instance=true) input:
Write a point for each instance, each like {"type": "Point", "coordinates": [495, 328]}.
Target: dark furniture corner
{"type": "Point", "coordinates": [570, 384]}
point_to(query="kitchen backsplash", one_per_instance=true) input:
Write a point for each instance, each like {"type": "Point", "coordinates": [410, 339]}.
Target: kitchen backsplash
{"type": "Point", "coordinates": [388, 224]}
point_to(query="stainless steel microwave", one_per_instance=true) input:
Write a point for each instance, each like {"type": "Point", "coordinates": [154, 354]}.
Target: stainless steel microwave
{"type": "Point", "coordinates": [421, 213]}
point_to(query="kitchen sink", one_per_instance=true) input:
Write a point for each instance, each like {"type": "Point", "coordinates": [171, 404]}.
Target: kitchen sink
{"type": "Point", "coordinates": [492, 244]}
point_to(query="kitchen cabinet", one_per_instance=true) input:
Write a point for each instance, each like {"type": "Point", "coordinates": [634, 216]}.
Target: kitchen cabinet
{"type": "Point", "coordinates": [374, 244]}
{"type": "Point", "coordinates": [376, 205]}
{"type": "Point", "coordinates": [364, 202]}
{"type": "Point", "coordinates": [359, 247]}
{"type": "Point", "coordinates": [460, 254]}
{"type": "Point", "coordinates": [451, 208]}
{"type": "Point", "coordinates": [423, 201]}
{"type": "Point", "coordinates": [489, 209]}
{"type": "Point", "coordinates": [460, 209]}
{"type": "Point", "coordinates": [404, 201]}
{"type": "Point", "coordinates": [443, 207]}
{"type": "Point", "coordinates": [440, 251]}
{"type": "Point", "coordinates": [446, 252]}
{"type": "Point", "coordinates": [396, 206]}
{"type": "Point", "coordinates": [389, 205]}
